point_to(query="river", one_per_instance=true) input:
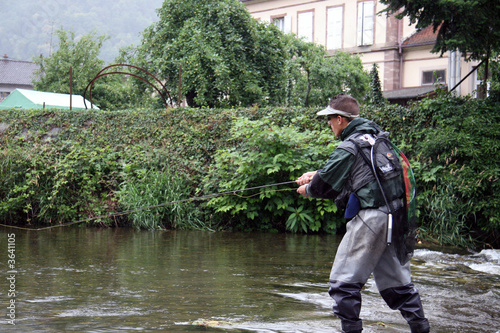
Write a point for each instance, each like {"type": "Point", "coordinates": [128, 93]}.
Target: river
{"type": "Point", "coordinates": [124, 280]}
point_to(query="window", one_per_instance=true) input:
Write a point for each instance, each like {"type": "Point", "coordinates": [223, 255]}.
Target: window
{"type": "Point", "coordinates": [284, 23]}
{"type": "Point", "coordinates": [279, 22]}
{"type": "Point", "coordinates": [305, 26]}
{"type": "Point", "coordinates": [366, 22]}
{"type": "Point", "coordinates": [3, 95]}
{"type": "Point", "coordinates": [431, 77]}
{"type": "Point", "coordinates": [335, 18]}
{"type": "Point", "coordinates": [477, 81]}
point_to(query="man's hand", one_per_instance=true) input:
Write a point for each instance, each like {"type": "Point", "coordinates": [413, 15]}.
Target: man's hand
{"type": "Point", "coordinates": [302, 191]}
{"type": "Point", "coordinates": [306, 178]}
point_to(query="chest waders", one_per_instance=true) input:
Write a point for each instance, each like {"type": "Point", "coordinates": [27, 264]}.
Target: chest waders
{"type": "Point", "coordinates": [392, 184]}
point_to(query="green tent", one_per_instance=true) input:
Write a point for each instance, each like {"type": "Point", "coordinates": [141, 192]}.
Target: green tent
{"type": "Point", "coordinates": [31, 99]}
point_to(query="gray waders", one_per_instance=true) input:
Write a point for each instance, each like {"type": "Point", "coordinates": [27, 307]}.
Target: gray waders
{"type": "Point", "coordinates": [363, 251]}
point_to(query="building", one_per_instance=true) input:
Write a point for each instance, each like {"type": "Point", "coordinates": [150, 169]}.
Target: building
{"type": "Point", "coordinates": [15, 74]}
{"type": "Point", "coordinates": [407, 68]}
{"type": "Point", "coordinates": [31, 99]}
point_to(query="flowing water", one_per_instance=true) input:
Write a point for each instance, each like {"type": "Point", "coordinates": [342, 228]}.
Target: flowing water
{"type": "Point", "coordinates": [122, 280]}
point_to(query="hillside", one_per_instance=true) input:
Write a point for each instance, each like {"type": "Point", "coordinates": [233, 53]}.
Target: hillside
{"type": "Point", "coordinates": [26, 27]}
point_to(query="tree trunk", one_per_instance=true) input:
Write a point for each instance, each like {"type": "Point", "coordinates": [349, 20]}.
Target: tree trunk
{"type": "Point", "coordinates": [306, 102]}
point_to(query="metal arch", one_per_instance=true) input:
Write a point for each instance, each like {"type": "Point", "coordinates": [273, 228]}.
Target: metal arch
{"type": "Point", "coordinates": [124, 73]}
{"type": "Point", "coordinates": [100, 74]}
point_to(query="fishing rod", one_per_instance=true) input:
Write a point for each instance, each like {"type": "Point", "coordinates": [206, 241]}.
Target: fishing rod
{"type": "Point", "coordinates": [203, 197]}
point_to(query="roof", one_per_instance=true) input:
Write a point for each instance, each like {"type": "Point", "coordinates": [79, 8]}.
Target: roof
{"type": "Point", "coordinates": [425, 36]}
{"type": "Point", "coordinates": [409, 92]}
{"type": "Point", "coordinates": [31, 99]}
{"type": "Point", "coordinates": [16, 71]}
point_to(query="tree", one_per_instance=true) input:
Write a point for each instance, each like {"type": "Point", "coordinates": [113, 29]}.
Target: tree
{"type": "Point", "coordinates": [109, 92]}
{"type": "Point", "coordinates": [224, 56]}
{"type": "Point", "coordinates": [227, 58]}
{"type": "Point", "coordinates": [472, 27]}
{"type": "Point", "coordinates": [375, 94]}
{"type": "Point", "coordinates": [314, 77]}
{"type": "Point", "coordinates": [81, 55]}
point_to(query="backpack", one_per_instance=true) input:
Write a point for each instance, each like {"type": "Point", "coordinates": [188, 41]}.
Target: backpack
{"type": "Point", "coordinates": [388, 165]}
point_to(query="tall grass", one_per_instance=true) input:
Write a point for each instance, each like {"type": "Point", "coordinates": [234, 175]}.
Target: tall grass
{"type": "Point", "coordinates": [445, 219]}
{"type": "Point", "coordinates": [159, 188]}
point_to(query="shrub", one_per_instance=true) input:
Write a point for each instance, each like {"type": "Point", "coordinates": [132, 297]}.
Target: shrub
{"type": "Point", "coordinates": [454, 146]}
{"type": "Point", "coordinates": [56, 183]}
{"type": "Point", "coordinates": [265, 153]}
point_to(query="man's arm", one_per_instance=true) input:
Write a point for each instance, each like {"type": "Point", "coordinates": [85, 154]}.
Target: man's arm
{"type": "Point", "coordinates": [328, 182]}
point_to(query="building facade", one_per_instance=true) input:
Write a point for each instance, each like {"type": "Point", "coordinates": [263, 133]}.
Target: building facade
{"type": "Point", "coordinates": [406, 65]}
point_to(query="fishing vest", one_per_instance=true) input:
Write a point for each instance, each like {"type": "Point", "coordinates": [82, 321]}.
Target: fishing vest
{"type": "Point", "coordinates": [387, 166]}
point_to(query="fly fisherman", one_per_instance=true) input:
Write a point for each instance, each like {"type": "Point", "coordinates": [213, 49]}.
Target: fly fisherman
{"type": "Point", "coordinates": [365, 248]}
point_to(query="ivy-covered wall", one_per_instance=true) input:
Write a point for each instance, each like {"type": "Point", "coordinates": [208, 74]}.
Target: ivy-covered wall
{"type": "Point", "coordinates": [60, 166]}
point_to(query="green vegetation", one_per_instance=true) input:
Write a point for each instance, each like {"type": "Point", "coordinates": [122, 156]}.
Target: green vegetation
{"type": "Point", "coordinates": [269, 151]}
{"type": "Point", "coordinates": [375, 96]}
{"type": "Point", "coordinates": [110, 92]}
{"type": "Point", "coordinates": [226, 58]}
{"type": "Point", "coordinates": [454, 147]}
{"type": "Point", "coordinates": [59, 166]}
{"type": "Point", "coordinates": [313, 77]}
{"type": "Point", "coordinates": [154, 189]}
{"type": "Point", "coordinates": [216, 54]}
{"type": "Point", "coordinates": [225, 55]}
{"type": "Point", "coordinates": [81, 56]}
{"type": "Point", "coordinates": [77, 173]}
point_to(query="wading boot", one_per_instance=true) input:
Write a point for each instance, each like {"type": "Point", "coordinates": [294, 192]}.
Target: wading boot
{"type": "Point", "coordinates": [421, 327]}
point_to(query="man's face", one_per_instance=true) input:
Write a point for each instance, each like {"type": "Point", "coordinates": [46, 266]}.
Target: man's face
{"type": "Point", "coordinates": [335, 123]}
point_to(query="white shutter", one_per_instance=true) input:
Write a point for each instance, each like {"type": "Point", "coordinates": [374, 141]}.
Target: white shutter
{"type": "Point", "coordinates": [369, 22]}
{"type": "Point", "coordinates": [366, 22]}
{"type": "Point", "coordinates": [288, 24]}
{"type": "Point", "coordinates": [334, 28]}
{"type": "Point", "coordinates": [360, 23]}
{"type": "Point", "coordinates": [305, 26]}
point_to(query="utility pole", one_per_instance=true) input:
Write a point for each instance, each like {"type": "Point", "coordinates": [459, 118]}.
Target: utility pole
{"type": "Point", "coordinates": [51, 34]}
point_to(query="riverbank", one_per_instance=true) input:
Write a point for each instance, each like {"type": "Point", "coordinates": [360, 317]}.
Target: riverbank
{"type": "Point", "coordinates": [62, 166]}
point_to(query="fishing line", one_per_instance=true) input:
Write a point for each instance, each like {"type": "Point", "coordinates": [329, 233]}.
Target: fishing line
{"type": "Point", "coordinates": [208, 196]}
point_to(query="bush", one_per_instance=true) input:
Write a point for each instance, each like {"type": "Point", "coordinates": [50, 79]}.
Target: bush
{"type": "Point", "coordinates": [48, 184]}
{"type": "Point", "coordinates": [454, 146]}
{"type": "Point", "coordinates": [265, 153]}
{"type": "Point", "coordinates": [61, 166]}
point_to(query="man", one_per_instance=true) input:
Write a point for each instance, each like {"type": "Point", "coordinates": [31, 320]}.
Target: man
{"type": "Point", "coordinates": [364, 249]}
